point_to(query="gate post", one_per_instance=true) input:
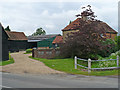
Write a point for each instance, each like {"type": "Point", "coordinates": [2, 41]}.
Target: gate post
{"type": "Point", "coordinates": [89, 65]}
{"type": "Point", "coordinates": [75, 62]}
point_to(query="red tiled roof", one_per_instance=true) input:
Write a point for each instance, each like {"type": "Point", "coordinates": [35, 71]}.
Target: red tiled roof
{"type": "Point", "coordinates": [79, 22]}
{"type": "Point", "coordinates": [58, 39]}
{"type": "Point", "coordinates": [16, 35]}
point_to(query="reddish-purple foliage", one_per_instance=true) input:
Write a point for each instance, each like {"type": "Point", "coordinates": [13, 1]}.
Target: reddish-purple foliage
{"type": "Point", "coordinates": [87, 41]}
{"type": "Point", "coordinates": [87, 13]}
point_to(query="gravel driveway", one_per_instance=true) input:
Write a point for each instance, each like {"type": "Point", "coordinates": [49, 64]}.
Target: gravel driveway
{"type": "Point", "coordinates": [23, 64]}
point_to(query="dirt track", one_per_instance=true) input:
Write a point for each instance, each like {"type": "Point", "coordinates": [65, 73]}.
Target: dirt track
{"type": "Point", "coordinates": [23, 64]}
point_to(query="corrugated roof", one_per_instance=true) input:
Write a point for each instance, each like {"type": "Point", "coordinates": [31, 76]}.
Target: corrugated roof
{"type": "Point", "coordinates": [16, 35]}
{"type": "Point", "coordinates": [41, 37]}
{"type": "Point", "coordinates": [58, 39]}
{"type": "Point", "coordinates": [79, 22]}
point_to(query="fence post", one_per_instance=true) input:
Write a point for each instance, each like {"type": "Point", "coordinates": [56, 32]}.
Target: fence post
{"type": "Point", "coordinates": [89, 65]}
{"type": "Point", "coordinates": [117, 61]}
{"type": "Point", "coordinates": [75, 62]}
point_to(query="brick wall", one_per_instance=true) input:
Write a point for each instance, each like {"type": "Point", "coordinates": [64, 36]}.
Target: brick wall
{"type": "Point", "coordinates": [68, 32]}
{"type": "Point", "coordinates": [110, 36]}
{"type": "Point", "coordinates": [45, 53]}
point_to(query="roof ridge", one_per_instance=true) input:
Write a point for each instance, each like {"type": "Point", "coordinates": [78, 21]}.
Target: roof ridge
{"type": "Point", "coordinates": [76, 24]}
{"type": "Point", "coordinates": [16, 35]}
{"type": "Point", "coordinates": [15, 32]}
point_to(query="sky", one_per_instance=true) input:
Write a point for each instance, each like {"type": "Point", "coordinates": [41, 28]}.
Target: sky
{"type": "Point", "coordinates": [53, 15]}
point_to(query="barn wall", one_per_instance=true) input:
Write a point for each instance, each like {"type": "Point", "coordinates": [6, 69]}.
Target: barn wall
{"type": "Point", "coordinates": [110, 35]}
{"type": "Point", "coordinates": [15, 46]}
{"type": "Point", "coordinates": [68, 32]}
{"type": "Point", "coordinates": [0, 43]}
{"type": "Point", "coordinates": [113, 36]}
{"type": "Point", "coordinates": [5, 52]}
{"type": "Point", "coordinates": [31, 44]}
{"type": "Point", "coordinates": [46, 43]}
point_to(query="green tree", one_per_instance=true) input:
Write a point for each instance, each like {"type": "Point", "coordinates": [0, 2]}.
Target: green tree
{"type": "Point", "coordinates": [111, 48]}
{"type": "Point", "coordinates": [7, 28]}
{"type": "Point", "coordinates": [39, 31]}
{"type": "Point", "coordinates": [117, 40]}
{"type": "Point", "coordinates": [70, 22]}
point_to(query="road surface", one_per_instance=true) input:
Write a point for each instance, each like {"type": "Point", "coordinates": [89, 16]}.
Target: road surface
{"type": "Point", "coordinates": [57, 81]}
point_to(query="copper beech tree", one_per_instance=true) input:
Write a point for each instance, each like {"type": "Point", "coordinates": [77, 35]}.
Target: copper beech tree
{"type": "Point", "coordinates": [88, 13]}
{"type": "Point", "coordinates": [88, 42]}
{"type": "Point", "coordinates": [84, 43]}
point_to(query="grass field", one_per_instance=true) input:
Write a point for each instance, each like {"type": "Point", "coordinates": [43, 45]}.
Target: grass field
{"type": "Point", "coordinates": [10, 61]}
{"type": "Point", "coordinates": [67, 65]}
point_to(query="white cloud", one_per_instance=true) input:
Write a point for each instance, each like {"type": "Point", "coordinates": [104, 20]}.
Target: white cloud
{"type": "Point", "coordinates": [50, 26]}
{"type": "Point", "coordinates": [28, 17]}
{"type": "Point", "coordinates": [104, 1]}
{"type": "Point", "coordinates": [45, 12]}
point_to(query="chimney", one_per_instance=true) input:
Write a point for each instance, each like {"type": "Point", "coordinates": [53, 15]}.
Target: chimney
{"type": "Point", "coordinates": [85, 18]}
{"type": "Point", "coordinates": [84, 15]}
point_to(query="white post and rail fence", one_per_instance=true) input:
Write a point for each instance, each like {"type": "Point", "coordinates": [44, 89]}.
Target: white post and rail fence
{"type": "Point", "coordinates": [90, 61]}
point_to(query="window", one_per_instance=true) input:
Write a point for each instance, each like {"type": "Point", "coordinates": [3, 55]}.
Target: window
{"type": "Point", "coordinates": [101, 35]}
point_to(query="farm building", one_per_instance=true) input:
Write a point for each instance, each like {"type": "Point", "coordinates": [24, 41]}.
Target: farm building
{"type": "Point", "coordinates": [4, 42]}
{"type": "Point", "coordinates": [79, 22]}
{"type": "Point", "coordinates": [17, 41]}
{"type": "Point", "coordinates": [58, 41]}
{"type": "Point", "coordinates": [41, 40]}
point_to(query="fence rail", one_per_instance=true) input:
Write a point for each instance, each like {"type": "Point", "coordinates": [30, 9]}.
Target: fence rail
{"type": "Point", "coordinates": [103, 60]}
{"type": "Point", "coordinates": [90, 61]}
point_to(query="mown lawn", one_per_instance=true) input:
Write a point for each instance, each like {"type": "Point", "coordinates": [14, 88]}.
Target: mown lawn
{"type": "Point", "coordinates": [10, 61]}
{"type": "Point", "coordinates": [67, 65]}
{"type": "Point", "coordinates": [28, 53]}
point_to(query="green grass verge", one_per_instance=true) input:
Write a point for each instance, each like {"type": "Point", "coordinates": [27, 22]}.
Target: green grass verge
{"type": "Point", "coordinates": [28, 53]}
{"type": "Point", "coordinates": [10, 61]}
{"type": "Point", "coordinates": [67, 65]}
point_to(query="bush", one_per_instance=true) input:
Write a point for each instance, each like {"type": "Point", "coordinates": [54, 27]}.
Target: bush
{"type": "Point", "coordinates": [113, 63]}
{"type": "Point", "coordinates": [118, 53]}
{"type": "Point", "coordinates": [111, 47]}
{"type": "Point", "coordinates": [28, 50]}
{"type": "Point", "coordinates": [114, 55]}
{"type": "Point", "coordinates": [95, 57]}
{"type": "Point", "coordinates": [117, 40]}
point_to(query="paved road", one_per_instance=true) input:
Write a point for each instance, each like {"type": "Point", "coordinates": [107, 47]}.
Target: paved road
{"type": "Point", "coordinates": [57, 81]}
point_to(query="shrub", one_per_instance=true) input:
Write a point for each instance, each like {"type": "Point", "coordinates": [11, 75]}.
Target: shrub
{"type": "Point", "coordinates": [28, 50]}
{"type": "Point", "coordinates": [111, 47]}
{"type": "Point", "coordinates": [94, 57]}
{"type": "Point", "coordinates": [117, 40]}
{"type": "Point", "coordinates": [102, 64]}
{"type": "Point", "coordinates": [114, 55]}
{"type": "Point", "coordinates": [118, 53]}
